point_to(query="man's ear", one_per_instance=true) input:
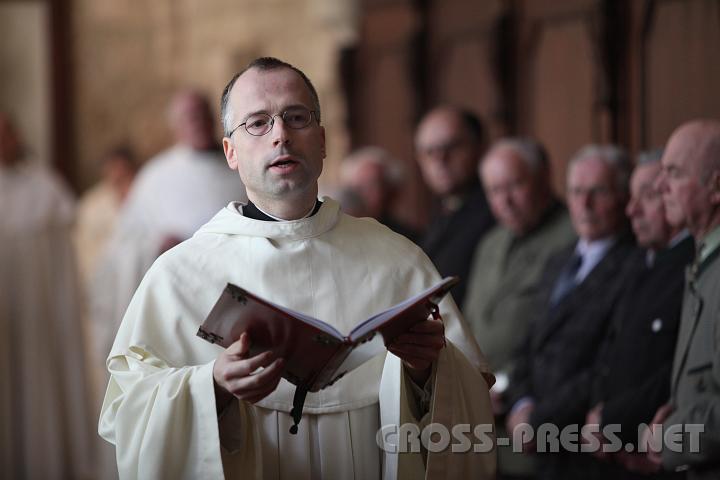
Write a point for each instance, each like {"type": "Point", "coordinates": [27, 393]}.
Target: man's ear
{"type": "Point", "coordinates": [322, 147]}
{"type": "Point", "coordinates": [715, 187]}
{"type": "Point", "coordinates": [230, 153]}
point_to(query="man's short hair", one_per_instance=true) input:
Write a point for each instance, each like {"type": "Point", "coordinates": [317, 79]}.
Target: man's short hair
{"type": "Point", "coordinates": [613, 156]}
{"type": "Point", "coordinates": [531, 151]}
{"type": "Point", "coordinates": [474, 125]}
{"type": "Point", "coordinates": [264, 64]}
{"type": "Point", "coordinates": [468, 119]}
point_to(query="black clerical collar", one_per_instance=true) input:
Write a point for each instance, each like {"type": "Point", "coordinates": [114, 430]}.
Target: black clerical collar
{"type": "Point", "coordinates": [251, 211]}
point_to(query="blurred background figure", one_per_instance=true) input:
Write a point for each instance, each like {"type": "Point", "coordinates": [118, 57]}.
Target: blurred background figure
{"type": "Point", "coordinates": [631, 377]}
{"type": "Point", "coordinates": [503, 287]}
{"type": "Point", "coordinates": [97, 214]}
{"type": "Point", "coordinates": [449, 143]}
{"type": "Point", "coordinates": [46, 430]}
{"type": "Point", "coordinates": [369, 180]}
{"type": "Point", "coordinates": [690, 186]}
{"type": "Point", "coordinates": [174, 194]}
{"type": "Point", "coordinates": [580, 290]}
{"type": "Point", "coordinates": [99, 208]}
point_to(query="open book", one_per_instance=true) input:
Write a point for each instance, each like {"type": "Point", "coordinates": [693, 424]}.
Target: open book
{"type": "Point", "coordinates": [316, 354]}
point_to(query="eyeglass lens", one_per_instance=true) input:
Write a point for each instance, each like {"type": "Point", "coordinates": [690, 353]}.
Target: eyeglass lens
{"type": "Point", "coordinates": [262, 123]}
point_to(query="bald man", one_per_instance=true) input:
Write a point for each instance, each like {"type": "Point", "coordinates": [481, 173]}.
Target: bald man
{"type": "Point", "coordinates": [175, 193]}
{"type": "Point", "coordinates": [690, 182]}
{"type": "Point", "coordinates": [449, 143]}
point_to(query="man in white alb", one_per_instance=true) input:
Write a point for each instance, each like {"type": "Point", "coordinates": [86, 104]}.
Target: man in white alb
{"type": "Point", "coordinates": [45, 429]}
{"type": "Point", "coordinates": [179, 407]}
{"type": "Point", "coordinates": [174, 194]}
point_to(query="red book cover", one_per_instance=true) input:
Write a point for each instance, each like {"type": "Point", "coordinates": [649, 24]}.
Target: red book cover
{"type": "Point", "coordinates": [315, 353]}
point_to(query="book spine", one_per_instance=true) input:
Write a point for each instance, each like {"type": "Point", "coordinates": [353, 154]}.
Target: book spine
{"type": "Point", "coordinates": [209, 336]}
{"type": "Point", "coordinates": [328, 374]}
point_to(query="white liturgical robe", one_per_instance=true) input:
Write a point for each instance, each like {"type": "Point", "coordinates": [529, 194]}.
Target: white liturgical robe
{"type": "Point", "coordinates": [45, 427]}
{"type": "Point", "coordinates": [159, 408]}
{"type": "Point", "coordinates": [173, 195]}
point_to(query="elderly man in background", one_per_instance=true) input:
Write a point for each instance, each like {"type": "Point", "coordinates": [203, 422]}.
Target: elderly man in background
{"type": "Point", "coordinates": [449, 143]}
{"type": "Point", "coordinates": [631, 377]}
{"type": "Point", "coordinates": [548, 383]}
{"type": "Point", "coordinates": [45, 426]}
{"type": "Point", "coordinates": [369, 180]}
{"type": "Point", "coordinates": [690, 183]}
{"type": "Point", "coordinates": [503, 286]}
{"type": "Point", "coordinates": [174, 194]}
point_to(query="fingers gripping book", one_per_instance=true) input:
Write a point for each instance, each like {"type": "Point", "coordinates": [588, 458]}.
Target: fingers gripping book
{"type": "Point", "coordinates": [316, 354]}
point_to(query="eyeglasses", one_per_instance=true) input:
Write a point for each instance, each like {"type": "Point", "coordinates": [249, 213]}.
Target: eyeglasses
{"type": "Point", "coordinates": [259, 124]}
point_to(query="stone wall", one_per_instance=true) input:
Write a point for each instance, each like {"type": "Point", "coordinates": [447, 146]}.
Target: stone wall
{"type": "Point", "coordinates": [131, 55]}
{"type": "Point", "coordinates": [24, 73]}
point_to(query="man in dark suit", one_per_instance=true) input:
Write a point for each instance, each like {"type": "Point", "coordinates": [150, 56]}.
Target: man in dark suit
{"type": "Point", "coordinates": [631, 378]}
{"type": "Point", "coordinates": [690, 183]}
{"type": "Point", "coordinates": [449, 143]}
{"type": "Point", "coordinates": [581, 289]}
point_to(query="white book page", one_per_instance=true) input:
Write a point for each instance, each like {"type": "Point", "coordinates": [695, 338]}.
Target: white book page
{"type": "Point", "coordinates": [319, 324]}
{"type": "Point", "coordinates": [378, 319]}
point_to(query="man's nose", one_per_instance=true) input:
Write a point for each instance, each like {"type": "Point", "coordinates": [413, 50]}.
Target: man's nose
{"type": "Point", "coordinates": [280, 132]}
{"type": "Point", "coordinates": [438, 154]}
{"type": "Point", "coordinates": [631, 208]}
{"type": "Point", "coordinates": [585, 198]}
{"type": "Point", "coordinates": [660, 183]}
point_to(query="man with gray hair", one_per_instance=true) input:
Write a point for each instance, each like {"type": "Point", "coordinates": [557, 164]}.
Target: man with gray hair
{"type": "Point", "coordinates": [631, 377]}
{"type": "Point", "coordinates": [370, 178]}
{"type": "Point", "coordinates": [580, 289]}
{"type": "Point", "coordinates": [503, 286]}
{"type": "Point", "coordinates": [508, 261]}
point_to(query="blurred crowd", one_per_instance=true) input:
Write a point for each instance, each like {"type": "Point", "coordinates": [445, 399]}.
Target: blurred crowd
{"type": "Point", "coordinates": [599, 307]}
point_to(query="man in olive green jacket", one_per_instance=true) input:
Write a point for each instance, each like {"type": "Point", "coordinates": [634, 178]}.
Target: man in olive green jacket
{"type": "Point", "coordinates": [691, 191]}
{"type": "Point", "coordinates": [509, 260]}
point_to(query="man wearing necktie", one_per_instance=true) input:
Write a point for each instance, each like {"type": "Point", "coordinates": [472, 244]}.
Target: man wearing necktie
{"type": "Point", "coordinates": [581, 288]}
{"type": "Point", "coordinates": [631, 376]}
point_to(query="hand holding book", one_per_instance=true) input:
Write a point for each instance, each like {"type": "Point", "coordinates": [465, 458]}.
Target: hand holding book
{"type": "Point", "coordinates": [419, 347]}
{"type": "Point", "coordinates": [233, 373]}
{"type": "Point", "coordinates": [314, 354]}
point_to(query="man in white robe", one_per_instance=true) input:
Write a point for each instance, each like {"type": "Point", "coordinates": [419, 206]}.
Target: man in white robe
{"type": "Point", "coordinates": [45, 428]}
{"type": "Point", "coordinates": [98, 211]}
{"type": "Point", "coordinates": [179, 407]}
{"type": "Point", "coordinates": [99, 208]}
{"type": "Point", "coordinates": [173, 195]}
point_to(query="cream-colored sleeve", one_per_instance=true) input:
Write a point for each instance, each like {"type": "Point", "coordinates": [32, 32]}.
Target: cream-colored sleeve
{"type": "Point", "coordinates": [460, 396]}
{"type": "Point", "coordinates": [162, 420]}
